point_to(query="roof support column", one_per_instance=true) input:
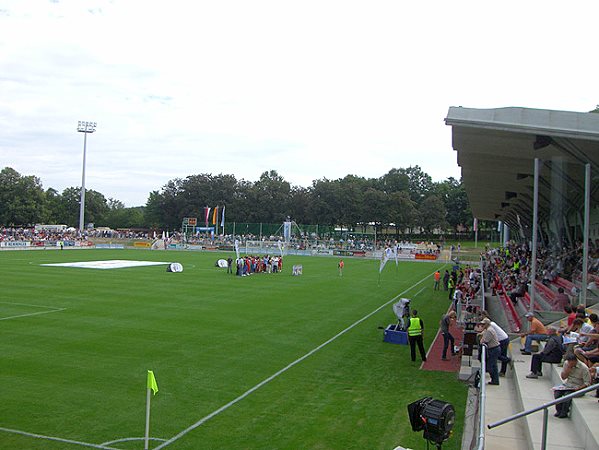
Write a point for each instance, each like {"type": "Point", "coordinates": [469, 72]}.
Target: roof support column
{"type": "Point", "coordinates": [585, 244]}
{"type": "Point", "coordinates": [535, 218]}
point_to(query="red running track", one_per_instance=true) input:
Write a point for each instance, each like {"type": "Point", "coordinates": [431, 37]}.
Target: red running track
{"type": "Point", "coordinates": [433, 357]}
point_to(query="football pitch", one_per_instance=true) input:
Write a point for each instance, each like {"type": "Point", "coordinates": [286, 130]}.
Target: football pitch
{"type": "Point", "coordinates": [267, 361]}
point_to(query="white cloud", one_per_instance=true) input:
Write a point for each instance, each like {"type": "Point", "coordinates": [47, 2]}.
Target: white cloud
{"type": "Point", "coordinates": [311, 89]}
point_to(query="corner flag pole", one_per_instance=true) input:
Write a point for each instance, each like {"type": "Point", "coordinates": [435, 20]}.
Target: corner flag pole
{"type": "Point", "coordinates": [151, 387]}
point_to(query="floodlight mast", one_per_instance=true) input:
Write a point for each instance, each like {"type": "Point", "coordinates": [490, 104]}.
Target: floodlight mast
{"type": "Point", "coordinates": [84, 127]}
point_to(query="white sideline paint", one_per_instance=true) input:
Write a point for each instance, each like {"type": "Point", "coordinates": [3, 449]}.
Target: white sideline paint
{"type": "Point", "coordinates": [52, 438]}
{"type": "Point", "coordinates": [50, 309]}
{"type": "Point", "coordinates": [284, 369]}
{"type": "Point", "coordinates": [32, 314]}
{"type": "Point", "coordinates": [109, 264]}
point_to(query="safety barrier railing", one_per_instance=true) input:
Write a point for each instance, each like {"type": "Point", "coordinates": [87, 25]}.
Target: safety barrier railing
{"type": "Point", "coordinates": [482, 397]}
{"type": "Point", "coordinates": [545, 407]}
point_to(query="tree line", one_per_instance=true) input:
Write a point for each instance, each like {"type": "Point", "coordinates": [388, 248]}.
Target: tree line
{"type": "Point", "coordinates": [405, 198]}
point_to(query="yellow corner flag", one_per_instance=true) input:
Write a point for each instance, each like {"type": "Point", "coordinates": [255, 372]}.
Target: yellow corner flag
{"type": "Point", "coordinates": [152, 382]}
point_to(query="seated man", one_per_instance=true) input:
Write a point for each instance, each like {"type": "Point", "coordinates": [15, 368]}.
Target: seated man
{"type": "Point", "coordinates": [518, 292]}
{"type": "Point", "coordinates": [552, 353]}
{"type": "Point", "coordinates": [576, 376]}
{"type": "Point", "coordinates": [537, 332]}
{"type": "Point", "coordinates": [561, 297]}
{"type": "Point", "coordinates": [588, 357]}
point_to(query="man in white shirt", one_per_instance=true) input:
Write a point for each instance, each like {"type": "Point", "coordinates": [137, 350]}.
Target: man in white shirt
{"type": "Point", "coordinates": [504, 342]}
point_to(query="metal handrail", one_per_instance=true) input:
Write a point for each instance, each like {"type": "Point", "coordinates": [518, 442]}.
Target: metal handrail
{"type": "Point", "coordinates": [483, 370]}
{"type": "Point", "coordinates": [545, 408]}
{"type": "Point", "coordinates": [482, 398]}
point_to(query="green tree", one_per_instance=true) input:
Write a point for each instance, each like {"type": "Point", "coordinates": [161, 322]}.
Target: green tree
{"type": "Point", "coordinates": [153, 211]}
{"type": "Point", "coordinates": [376, 208]}
{"type": "Point", "coordinates": [395, 180]}
{"type": "Point", "coordinates": [22, 199]}
{"type": "Point", "coordinates": [299, 204]}
{"type": "Point", "coordinates": [324, 199]}
{"type": "Point", "coordinates": [350, 201]}
{"type": "Point", "coordinates": [454, 196]}
{"type": "Point", "coordinates": [402, 211]}
{"type": "Point", "coordinates": [271, 196]}
{"type": "Point", "coordinates": [96, 207]}
{"type": "Point", "coordinates": [431, 214]}
{"type": "Point", "coordinates": [420, 183]}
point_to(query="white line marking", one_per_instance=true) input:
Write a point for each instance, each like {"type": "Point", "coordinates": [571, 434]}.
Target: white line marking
{"type": "Point", "coordinates": [52, 438]}
{"type": "Point", "coordinates": [416, 294]}
{"type": "Point", "coordinates": [283, 370]}
{"type": "Point", "coordinates": [116, 441]}
{"type": "Point", "coordinates": [27, 304]}
{"type": "Point", "coordinates": [33, 314]}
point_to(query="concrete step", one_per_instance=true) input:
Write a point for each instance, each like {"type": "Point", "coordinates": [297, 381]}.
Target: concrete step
{"type": "Point", "coordinates": [575, 432]}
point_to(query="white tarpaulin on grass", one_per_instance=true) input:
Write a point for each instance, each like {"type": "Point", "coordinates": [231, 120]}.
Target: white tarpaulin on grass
{"type": "Point", "coordinates": [110, 264]}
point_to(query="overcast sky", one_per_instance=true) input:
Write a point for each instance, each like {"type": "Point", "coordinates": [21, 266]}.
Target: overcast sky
{"type": "Point", "coordinates": [311, 89]}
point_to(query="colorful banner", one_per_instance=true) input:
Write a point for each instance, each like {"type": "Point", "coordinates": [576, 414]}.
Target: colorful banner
{"type": "Point", "coordinates": [206, 215]}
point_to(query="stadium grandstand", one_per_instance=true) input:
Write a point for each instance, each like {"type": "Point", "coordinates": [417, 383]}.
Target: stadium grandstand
{"type": "Point", "coordinates": [534, 172]}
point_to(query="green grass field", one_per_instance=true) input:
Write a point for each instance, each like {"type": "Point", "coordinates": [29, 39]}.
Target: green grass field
{"type": "Point", "coordinates": [76, 343]}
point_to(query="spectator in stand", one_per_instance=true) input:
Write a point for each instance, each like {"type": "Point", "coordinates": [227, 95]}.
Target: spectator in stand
{"type": "Point", "coordinates": [572, 336]}
{"type": "Point", "coordinates": [570, 313]}
{"type": "Point", "coordinates": [518, 292]}
{"type": "Point", "coordinates": [576, 376]}
{"type": "Point", "coordinates": [551, 353]}
{"type": "Point", "coordinates": [589, 352]}
{"type": "Point", "coordinates": [504, 342]}
{"type": "Point", "coordinates": [590, 337]}
{"type": "Point", "coordinates": [489, 339]}
{"type": "Point", "coordinates": [561, 298]}
{"type": "Point", "coordinates": [582, 313]}
{"type": "Point", "coordinates": [536, 332]}
{"type": "Point", "coordinates": [549, 276]}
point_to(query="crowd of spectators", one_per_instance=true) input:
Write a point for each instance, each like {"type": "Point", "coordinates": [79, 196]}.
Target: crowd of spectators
{"type": "Point", "coordinates": [508, 268]}
{"type": "Point", "coordinates": [35, 235]}
{"type": "Point", "coordinates": [576, 343]}
{"type": "Point", "coordinates": [306, 242]}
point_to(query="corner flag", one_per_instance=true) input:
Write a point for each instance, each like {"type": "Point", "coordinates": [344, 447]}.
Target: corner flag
{"type": "Point", "coordinates": [152, 382]}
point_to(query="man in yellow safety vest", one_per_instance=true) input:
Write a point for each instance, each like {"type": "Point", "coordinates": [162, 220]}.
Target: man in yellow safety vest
{"type": "Point", "coordinates": [415, 331]}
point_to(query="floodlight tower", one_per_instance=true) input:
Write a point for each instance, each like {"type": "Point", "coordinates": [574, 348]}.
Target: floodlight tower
{"type": "Point", "coordinates": [84, 127]}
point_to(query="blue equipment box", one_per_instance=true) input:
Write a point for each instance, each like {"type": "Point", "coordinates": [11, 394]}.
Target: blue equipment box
{"type": "Point", "coordinates": [395, 337]}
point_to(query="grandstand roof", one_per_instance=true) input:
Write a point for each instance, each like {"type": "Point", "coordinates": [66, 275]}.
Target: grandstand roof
{"type": "Point", "coordinates": [496, 151]}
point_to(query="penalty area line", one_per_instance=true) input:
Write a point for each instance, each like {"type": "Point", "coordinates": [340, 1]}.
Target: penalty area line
{"type": "Point", "coordinates": [33, 314]}
{"type": "Point", "coordinates": [52, 438]}
{"type": "Point", "coordinates": [29, 304]}
{"type": "Point", "coordinates": [284, 369]}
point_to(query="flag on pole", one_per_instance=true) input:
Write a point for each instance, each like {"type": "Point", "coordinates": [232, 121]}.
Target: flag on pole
{"type": "Point", "coordinates": [215, 216]}
{"type": "Point", "coordinates": [222, 219]}
{"type": "Point", "coordinates": [384, 258]}
{"type": "Point", "coordinates": [475, 225]}
{"type": "Point", "coordinates": [152, 382]}
{"type": "Point", "coordinates": [206, 214]}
